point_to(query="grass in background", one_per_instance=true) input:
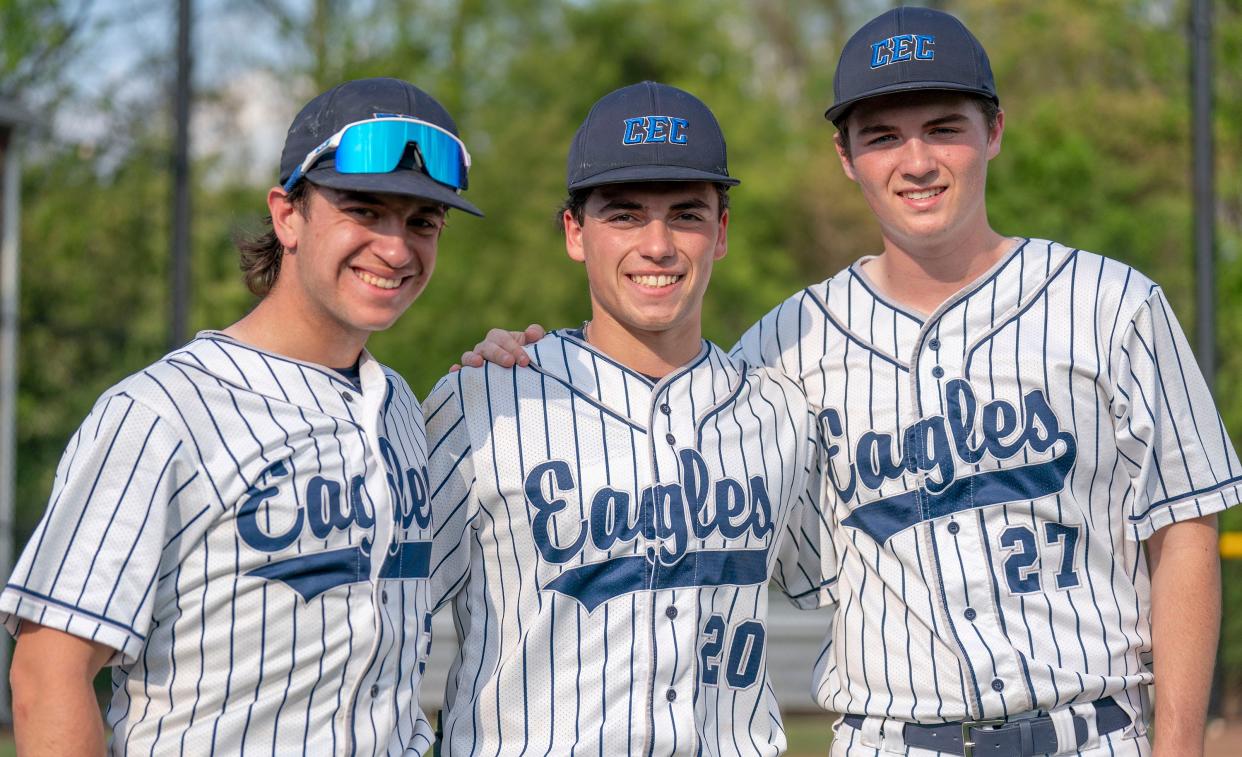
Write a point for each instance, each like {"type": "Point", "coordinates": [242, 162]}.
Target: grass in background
{"type": "Point", "coordinates": [809, 735]}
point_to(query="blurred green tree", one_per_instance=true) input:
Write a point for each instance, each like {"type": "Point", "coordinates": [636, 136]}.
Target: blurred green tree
{"type": "Point", "coordinates": [36, 38]}
{"type": "Point", "coordinates": [1096, 155]}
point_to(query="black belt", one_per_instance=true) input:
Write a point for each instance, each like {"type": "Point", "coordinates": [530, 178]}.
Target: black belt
{"type": "Point", "coordinates": [1027, 737]}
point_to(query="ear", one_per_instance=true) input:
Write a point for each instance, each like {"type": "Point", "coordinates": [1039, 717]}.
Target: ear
{"type": "Point", "coordinates": [994, 137]}
{"type": "Point", "coordinates": [287, 221]}
{"type": "Point", "coordinates": [722, 238]}
{"type": "Point", "coordinates": [847, 165]}
{"type": "Point", "coordinates": [573, 237]}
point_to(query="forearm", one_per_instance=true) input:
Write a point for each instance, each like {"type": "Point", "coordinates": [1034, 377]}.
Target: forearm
{"type": "Point", "coordinates": [1185, 613]}
{"type": "Point", "coordinates": [54, 707]}
{"type": "Point", "coordinates": [57, 719]}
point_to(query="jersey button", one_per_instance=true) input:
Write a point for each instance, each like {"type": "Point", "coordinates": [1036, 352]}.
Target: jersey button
{"type": "Point", "coordinates": [970, 613]}
{"type": "Point", "coordinates": [384, 596]}
{"type": "Point", "coordinates": [671, 612]}
{"type": "Point", "coordinates": [666, 409]}
{"type": "Point", "coordinates": [938, 372]}
{"type": "Point", "coordinates": [671, 695]}
{"type": "Point", "coordinates": [347, 396]}
{"type": "Point", "coordinates": [374, 690]}
{"type": "Point", "coordinates": [997, 684]}
{"type": "Point", "coordinates": [670, 439]}
{"type": "Point", "coordinates": [953, 527]}
{"type": "Point", "coordinates": [934, 344]}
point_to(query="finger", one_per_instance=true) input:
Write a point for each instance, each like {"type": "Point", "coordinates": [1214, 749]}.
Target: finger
{"type": "Point", "coordinates": [455, 367]}
{"type": "Point", "coordinates": [502, 338]}
{"type": "Point", "coordinates": [472, 359]}
{"type": "Point", "coordinates": [492, 353]}
{"type": "Point", "coordinates": [534, 333]}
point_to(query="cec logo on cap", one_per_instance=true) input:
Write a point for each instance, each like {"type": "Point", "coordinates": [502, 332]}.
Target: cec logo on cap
{"type": "Point", "coordinates": [648, 132]}
{"type": "Point", "coordinates": [907, 49]}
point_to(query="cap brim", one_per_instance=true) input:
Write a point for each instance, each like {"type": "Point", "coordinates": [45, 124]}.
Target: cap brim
{"type": "Point", "coordinates": [402, 182]}
{"type": "Point", "coordinates": [632, 174]}
{"type": "Point", "coordinates": [838, 110]}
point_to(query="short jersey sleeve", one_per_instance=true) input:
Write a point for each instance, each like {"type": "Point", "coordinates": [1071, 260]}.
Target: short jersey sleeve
{"type": "Point", "coordinates": [775, 341]}
{"type": "Point", "coordinates": [91, 565]}
{"type": "Point", "coordinates": [450, 467]}
{"type": "Point", "coordinates": [806, 566]}
{"type": "Point", "coordinates": [1178, 456]}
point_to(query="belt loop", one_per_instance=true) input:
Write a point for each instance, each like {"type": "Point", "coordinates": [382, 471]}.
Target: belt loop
{"type": "Point", "coordinates": [894, 737]}
{"type": "Point", "coordinates": [1086, 711]}
{"type": "Point", "coordinates": [1024, 736]}
{"type": "Point", "coordinates": [872, 732]}
{"type": "Point", "coordinates": [1063, 723]}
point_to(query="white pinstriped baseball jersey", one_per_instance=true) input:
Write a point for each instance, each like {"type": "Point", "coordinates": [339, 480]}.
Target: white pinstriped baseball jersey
{"type": "Point", "coordinates": [218, 519]}
{"type": "Point", "coordinates": [607, 542]}
{"type": "Point", "coordinates": [992, 469]}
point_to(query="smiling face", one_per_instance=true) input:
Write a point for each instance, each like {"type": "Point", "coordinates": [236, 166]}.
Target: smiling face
{"type": "Point", "coordinates": [354, 262]}
{"type": "Point", "coordinates": [648, 250]}
{"type": "Point", "coordinates": [921, 162]}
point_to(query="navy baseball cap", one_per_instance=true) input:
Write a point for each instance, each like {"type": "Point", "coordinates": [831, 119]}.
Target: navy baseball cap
{"type": "Point", "coordinates": [909, 49]}
{"type": "Point", "coordinates": [648, 132]}
{"type": "Point", "coordinates": [360, 100]}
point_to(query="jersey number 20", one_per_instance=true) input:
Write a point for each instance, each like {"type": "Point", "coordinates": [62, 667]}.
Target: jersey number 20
{"type": "Point", "coordinates": [739, 649]}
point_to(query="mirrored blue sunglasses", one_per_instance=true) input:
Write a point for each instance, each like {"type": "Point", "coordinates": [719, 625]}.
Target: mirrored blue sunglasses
{"type": "Point", "coordinates": [378, 145]}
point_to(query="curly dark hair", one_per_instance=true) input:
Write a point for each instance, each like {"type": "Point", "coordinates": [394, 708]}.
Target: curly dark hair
{"type": "Point", "coordinates": [261, 253]}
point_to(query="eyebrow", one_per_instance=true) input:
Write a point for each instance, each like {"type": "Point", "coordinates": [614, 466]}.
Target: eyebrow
{"type": "Point", "coordinates": [621, 203]}
{"type": "Point", "coordinates": [691, 204]}
{"type": "Point", "coordinates": [951, 118]}
{"type": "Point", "coordinates": [624, 204]}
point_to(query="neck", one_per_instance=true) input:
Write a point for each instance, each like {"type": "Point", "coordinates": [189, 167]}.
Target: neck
{"type": "Point", "coordinates": [921, 275]}
{"type": "Point", "coordinates": [651, 353]}
{"type": "Point", "coordinates": [272, 327]}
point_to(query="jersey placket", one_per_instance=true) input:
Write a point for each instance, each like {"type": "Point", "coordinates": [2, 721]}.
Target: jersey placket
{"type": "Point", "coordinates": [956, 546]}
{"type": "Point", "coordinates": [674, 625]}
{"type": "Point", "coordinates": [374, 688]}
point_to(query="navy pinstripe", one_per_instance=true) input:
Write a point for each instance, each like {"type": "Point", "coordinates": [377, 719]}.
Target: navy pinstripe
{"type": "Point", "coordinates": [617, 537]}
{"type": "Point", "coordinates": [1056, 398]}
{"type": "Point", "coordinates": [261, 584]}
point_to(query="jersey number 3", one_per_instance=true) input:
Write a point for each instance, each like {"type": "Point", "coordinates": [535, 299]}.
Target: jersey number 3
{"type": "Point", "coordinates": [1025, 561]}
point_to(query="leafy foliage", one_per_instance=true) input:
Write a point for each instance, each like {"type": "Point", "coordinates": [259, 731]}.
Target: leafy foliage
{"type": "Point", "coordinates": [36, 36]}
{"type": "Point", "coordinates": [1096, 154]}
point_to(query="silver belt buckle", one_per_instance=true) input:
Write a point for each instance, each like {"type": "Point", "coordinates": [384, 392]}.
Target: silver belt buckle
{"type": "Point", "coordinates": [968, 745]}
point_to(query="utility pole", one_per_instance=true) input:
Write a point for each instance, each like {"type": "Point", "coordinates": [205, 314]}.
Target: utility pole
{"type": "Point", "coordinates": [1204, 188]}
{"type": "Point", "coordinates": [10, 238]}
{"type": "Point", "coordinates": [180, 269]}
{"type": "Point", "coordinates": [1204, 180]}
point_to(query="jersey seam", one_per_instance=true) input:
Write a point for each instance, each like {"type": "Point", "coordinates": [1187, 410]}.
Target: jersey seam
{"type": "Point", "coordinates": [274, 398]}
{"type": "Point", "coordinates": [177, 429]}
{"type": "Point", "coordinates": [1117, 352]}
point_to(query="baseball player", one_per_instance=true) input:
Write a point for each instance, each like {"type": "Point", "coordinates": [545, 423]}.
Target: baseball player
{"type": "Point", "coordinates": [1023, 460]}
{"type": "Point", "coordinates": [609, 516]}
{"type": "Point", "coordinates": [241, 530]}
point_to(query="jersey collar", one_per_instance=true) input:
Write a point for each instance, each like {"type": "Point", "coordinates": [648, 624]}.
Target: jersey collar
{"type": "Point", "coordinates": [310, 386]}
{"type": "Point", "coordinates": [604, 381]}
